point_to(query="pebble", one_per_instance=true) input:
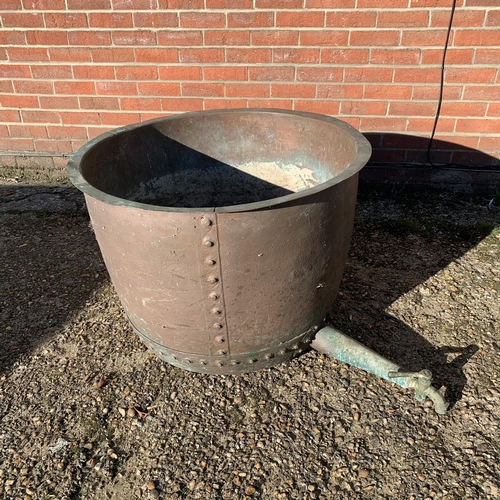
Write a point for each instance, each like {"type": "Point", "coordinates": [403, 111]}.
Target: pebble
{"type": "Point", "coordinates": [311, 487]}
{"type": "Point", "coordinates": [131, 412]}
{"type": "Point", "coordinates": [151, 485]}
{"type": "Point", "coordinates": [191, 440]}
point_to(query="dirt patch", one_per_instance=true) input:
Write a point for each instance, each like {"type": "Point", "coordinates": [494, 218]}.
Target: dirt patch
{"type": "Point", "coordinates": [41, 170]}
{"type": "Point", "coordinates": [87, 412]}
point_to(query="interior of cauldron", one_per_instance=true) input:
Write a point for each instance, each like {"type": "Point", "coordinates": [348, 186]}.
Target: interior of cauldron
{"type": "Point", "coordinates": [218, 159]}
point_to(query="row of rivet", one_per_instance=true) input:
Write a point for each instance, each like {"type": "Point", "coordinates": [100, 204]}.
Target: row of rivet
{"type": "Point", "coordinates": [295, 349]}
{"type": "Point", "coordinates": [217, 311]}
{"type": "Point", "coordinates": [285, 351]}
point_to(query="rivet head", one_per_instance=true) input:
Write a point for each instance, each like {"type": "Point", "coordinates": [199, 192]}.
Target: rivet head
{"type": "Point", "coordinates": [252, 361]}
{"type": "Point", "coordinates": [220, 339]}
{"type": "Point", "coordinates": [295, 347]}
{"type": "Point", "coordinates": [213, 279]}
{"type": "Point", "coordinates": [220, 365]}
{"type": "Point", "coordinates": [203, 362]}
{"type": "Point", "coordinates": [206, 221]}
{"type": "Point", "coordinates": [210, 262]}
{"type": "Point", "coordinates": [187, 360]}
{"type": "Point", "coordinates": [235, 362]}
{"type": "Point", "coordinates": [269, 356]}
{"type": "Point", "coordinates": [213, 296]}
{"type": "Point", "coordinates": [216, 311]}
{"type": "Point", "coordinates": [218, 326]}
{"type": "Point", "coordinates": [282, 352]}
{"type": "Point", "coordinates": [221, 353]}
{"type": "Point", "coordinates": [208, 242]}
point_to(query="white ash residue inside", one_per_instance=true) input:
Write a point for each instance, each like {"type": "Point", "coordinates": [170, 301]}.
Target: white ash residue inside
{"type": "Point", "coordinates": [224, 185]}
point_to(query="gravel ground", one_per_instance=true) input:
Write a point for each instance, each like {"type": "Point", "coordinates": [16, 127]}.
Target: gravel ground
{"type": "Point", "coordinates": [88, 413]}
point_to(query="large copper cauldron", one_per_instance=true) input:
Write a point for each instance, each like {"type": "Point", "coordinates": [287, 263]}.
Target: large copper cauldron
{"type": "Point", "coordinates": [226, 233]}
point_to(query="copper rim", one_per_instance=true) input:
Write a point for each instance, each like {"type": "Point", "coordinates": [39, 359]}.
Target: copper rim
{"type": "Point", "coordinates": [363, 154]}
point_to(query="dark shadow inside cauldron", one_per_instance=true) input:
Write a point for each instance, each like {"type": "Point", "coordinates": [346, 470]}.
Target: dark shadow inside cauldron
{"type": "Point", "coordinates": [190, 179]}
{"type": "Point", "coordinates": [146, 166]}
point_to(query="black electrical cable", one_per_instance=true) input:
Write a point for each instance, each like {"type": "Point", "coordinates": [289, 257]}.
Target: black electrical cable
{"type": "Point", "coordinates": [441, 85]}
{"type": "Point", "coordinates": [430, 163]}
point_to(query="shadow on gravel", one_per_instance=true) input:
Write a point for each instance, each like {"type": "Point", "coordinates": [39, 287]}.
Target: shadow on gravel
{"type": "Point", "coordinates": [51, 265]}
{"type": "Point", "coordinates": [393, 254]}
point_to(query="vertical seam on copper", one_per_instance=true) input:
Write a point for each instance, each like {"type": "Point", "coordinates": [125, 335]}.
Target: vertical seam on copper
{"type": "Point", "coordinates": [215, 323]}
{"type": "Point", "coordinates": [222, 298]}
{"type": "Point", "coordinates": [200, 258]}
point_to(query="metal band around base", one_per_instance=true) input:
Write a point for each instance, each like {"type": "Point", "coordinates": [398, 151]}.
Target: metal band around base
{"type": "Point", "coordinates": [234, 363]}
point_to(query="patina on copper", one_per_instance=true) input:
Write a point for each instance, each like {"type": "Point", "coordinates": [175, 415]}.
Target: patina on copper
{"type": "Point", "coordinates": [225, 233]}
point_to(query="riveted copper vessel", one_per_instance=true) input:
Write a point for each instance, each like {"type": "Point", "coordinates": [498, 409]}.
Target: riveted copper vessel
{"type": "Point", "coordinates": [225, 233]}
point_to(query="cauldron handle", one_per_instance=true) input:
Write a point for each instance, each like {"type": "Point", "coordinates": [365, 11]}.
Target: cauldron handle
{"type": "Point", "coordinates": [331, 341]}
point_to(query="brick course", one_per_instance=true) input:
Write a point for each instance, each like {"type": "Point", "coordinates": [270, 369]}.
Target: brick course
{"type": "Point", "coordinates": [72, 69]}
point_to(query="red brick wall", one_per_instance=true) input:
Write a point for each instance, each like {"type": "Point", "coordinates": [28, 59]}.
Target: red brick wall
{"type": "Point", "coordinates": [71, 69]}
